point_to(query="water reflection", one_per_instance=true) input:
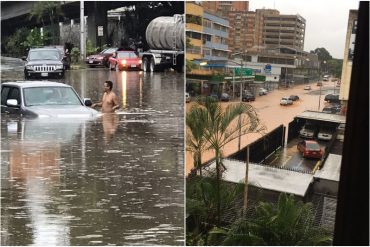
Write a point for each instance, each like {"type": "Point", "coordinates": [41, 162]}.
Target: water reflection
{"type": "Point", "coordinates": [117, 180]}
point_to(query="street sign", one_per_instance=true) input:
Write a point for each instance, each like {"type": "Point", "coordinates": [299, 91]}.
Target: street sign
{"type": "Point", "coordinates": [100, 31]}
{"type": "Point", "coordinates": [243, 72]}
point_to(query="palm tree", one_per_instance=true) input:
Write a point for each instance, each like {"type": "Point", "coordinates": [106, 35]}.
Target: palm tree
{"type": "Point", "coordinates": [290, 222]}
{"type": "Point", "coordinates": [195, 140]}
{"type": "Point", "coordinates": [219, 129]}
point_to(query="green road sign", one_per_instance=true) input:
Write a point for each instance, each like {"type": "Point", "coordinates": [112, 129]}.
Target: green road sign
{"type": "Point", "coordinates": [245, 71]}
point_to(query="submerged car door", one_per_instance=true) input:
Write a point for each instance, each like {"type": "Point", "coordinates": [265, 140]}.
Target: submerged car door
{"type": "Point", "coordinates": [8, 92]}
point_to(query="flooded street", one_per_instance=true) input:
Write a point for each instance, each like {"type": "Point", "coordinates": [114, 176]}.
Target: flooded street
{"type": "Point", "coordinates": [114, 180]}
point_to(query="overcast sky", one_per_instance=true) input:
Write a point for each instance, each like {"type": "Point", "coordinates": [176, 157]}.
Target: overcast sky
{"type": "Point", "coordinates": [326, 20]}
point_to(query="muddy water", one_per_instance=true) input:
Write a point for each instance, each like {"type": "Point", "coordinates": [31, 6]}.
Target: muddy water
{"type": "Point", "coordinates": [114, 180]}
{"type": "Point", "coordinates": [272, 114]}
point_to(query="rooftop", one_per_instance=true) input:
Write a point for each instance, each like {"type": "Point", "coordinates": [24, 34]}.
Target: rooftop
{"type": "Point", "coordinates": [266, 177]}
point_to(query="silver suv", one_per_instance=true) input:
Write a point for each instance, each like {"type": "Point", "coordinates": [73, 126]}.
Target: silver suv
{"type": "Point", "coordinates": [43, 62]}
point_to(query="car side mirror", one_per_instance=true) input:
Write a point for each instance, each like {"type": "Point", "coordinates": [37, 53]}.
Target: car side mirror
{"type": "Point", "coordinates": [87, 102]}
{"type": "Point", "coordinates": [12, 102]}
{"type": "Point", "coordinates": [24, 58]}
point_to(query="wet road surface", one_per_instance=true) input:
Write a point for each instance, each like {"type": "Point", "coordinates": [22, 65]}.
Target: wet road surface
{"type": "Point", "coordinates": [114, 180]}
{"type": "Point", "coordinates": [272, 114]}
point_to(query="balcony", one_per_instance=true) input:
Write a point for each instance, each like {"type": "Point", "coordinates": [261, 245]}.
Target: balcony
{"type": "Point", "coordinates": [216, 46]}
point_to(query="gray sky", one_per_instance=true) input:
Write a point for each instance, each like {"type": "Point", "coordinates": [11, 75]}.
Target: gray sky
{"type": "Point", "coordinates": [326, 20]}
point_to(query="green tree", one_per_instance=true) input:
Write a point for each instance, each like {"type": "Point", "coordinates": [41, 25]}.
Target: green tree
{"type": "Point", "coordinates": [195, 138]}
{"type": "Point", "coordinates": [220, 130]}
{"type": "Point", "coordinates": [290, 222]}
{"type": "Point", "coordinates": [14, 44]}
{"type": "Point", "coordinates": [201, 205]}
{"type": "Point", "coordinates": [35, 39]}
{"type": "Point", "coordinates": [322, 53]}
{"type": "Point", "coordinates": [335, 67]}
{"type": "Point", "coordinates": [48, 12]}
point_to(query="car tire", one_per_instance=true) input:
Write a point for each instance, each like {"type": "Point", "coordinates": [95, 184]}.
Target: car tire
{"type": "Point", "coordinates": [145, 64]}
{"type": "Point", "coordinates": [152, 65]}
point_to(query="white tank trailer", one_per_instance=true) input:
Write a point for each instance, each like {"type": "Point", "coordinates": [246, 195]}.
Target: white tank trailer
{"type": "Point", "coordinates": [165, 37]}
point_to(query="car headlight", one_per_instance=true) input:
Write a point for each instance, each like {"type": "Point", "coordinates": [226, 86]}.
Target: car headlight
{"type": "Point", "coordinates": [59, 67]}
{"type": "Point", "coordinates": [29, 67]}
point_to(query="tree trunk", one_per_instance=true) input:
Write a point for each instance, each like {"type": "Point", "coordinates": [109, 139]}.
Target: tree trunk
{"type": "Point", "coordinates": [245, 203]}
{"type": "Point", "coordinates": [218, 177]}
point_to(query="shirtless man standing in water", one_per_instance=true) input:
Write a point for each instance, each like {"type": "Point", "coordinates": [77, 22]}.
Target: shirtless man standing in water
{"type": "Point", "coordinates": [109, 102]}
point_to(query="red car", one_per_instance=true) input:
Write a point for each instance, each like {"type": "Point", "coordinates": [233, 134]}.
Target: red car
{"type": "Point", "coordinates": [310, 149]}
{"type": "Point", "coordinates": [125, 60]}
{"type": "Point", "coordinates": [101, 59]}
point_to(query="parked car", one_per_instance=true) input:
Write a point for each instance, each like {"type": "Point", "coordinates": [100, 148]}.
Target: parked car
{"type": "Point", "coordinates": [213, 96]}
{"type": "Point", "coordinates": [307, 87]}
{"type": "Point", "coordinates": [262, 91]}
{"type": "Point", "coordinates": [66, 56]}
{"type": "Point", "coordinates": [294, 97]}
{"type": "Point", "coordinates": [44, 62]}
{"type": "Point", "coordinates": [333, 109]}
{"type": "Point", "coordinates": [308, 131]}
{"type": "Point", "coordinates": [319, 84]}
{"type": "Point", "coordinates": [332, 98]}
{"type": "Point", "coordinates": [225, 97]}
{"type": "Point", "coordinates": [248, 97]}
{"type": "Point", "coordinates": [43, 99]}
{"type": "Point", "coordinates": [286, 101]}
{"type": "Point", "coordinates": [125, 60]}
{"type": "Point", "coordinates": [187, 97]}
{"type": "Point", "coordinates": [310, 149]}
{"type": "Point", "coordinates": [101, 59]}
{"type": "Point", "coordinates": [325, 133]}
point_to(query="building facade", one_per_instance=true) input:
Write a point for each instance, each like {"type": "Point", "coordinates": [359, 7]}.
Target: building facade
{"type": "Point", "coordinates": [194, 30]}
{"type": "Point", "coordinates": [282, 30]}
{"type": "Point", "coordinates": [215, 37]}
{"type": "Point", "coordinates": [348, 57]}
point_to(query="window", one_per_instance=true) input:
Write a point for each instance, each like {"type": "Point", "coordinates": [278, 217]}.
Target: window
{"type": "Point", "coordinates": [4, 95]}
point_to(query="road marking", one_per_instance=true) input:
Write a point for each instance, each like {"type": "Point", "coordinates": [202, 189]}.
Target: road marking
{"type": "Point", "coordinates": [286, 161]}
{"type": "Point", "coordinates": [299, 164]}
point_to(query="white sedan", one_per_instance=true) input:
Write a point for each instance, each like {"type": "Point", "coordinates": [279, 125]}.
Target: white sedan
{"type": "Point", "coordinates": [286, 101]}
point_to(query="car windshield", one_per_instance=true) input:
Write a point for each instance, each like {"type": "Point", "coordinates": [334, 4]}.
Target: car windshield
{"type": "Point", "coordinates": [50, 96]}
{"type": "Point", "coordinates": [126, 55]}
{"type": "Point", "coordinates": [44, 54]}
{"type": "Point", "coordinates": [312, 146]}
{"type": "Point", "coordinates": [109, 50]}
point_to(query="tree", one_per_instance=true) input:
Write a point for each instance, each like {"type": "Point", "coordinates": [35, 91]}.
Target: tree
{"type": "Point", "coordinates": [48, 12]}
{"type": "Point", "coordinates": [195, 139]}
{"type": "Point", "coordinates": [322, 53]}
{"type": "Point", "coordinates": [290, 222]}
{"type": "Point", "coordinates": [335, 67]}
{"type": "Point", "coordinates": [220, 131]}
{"type": "Point", "coordinates": [35, 39]}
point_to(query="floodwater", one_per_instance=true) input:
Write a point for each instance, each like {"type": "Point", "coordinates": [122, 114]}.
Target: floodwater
{"type": "Point", "coordinates": [114, 180]}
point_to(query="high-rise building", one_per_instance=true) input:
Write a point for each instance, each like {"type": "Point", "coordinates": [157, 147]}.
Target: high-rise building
{"type": "Point", "coordinates": [241, 35]}
{"type": "Point", "coordinates": [282, 30]}
{"type": "Point", "coordinates": [348, 57]}
{"type": "Point", "coordinates": [194, 30]}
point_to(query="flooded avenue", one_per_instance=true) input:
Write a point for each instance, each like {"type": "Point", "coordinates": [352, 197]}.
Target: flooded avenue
{"type": "Point", "coordinates": [114, 180]}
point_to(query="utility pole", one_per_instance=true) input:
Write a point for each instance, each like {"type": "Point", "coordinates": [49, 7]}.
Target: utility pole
{"type": "Point", "coordinates": [82, 35]}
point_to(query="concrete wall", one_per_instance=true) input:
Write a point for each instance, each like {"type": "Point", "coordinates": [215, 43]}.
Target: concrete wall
{"type": "Point", "coordinates": [347, 61]}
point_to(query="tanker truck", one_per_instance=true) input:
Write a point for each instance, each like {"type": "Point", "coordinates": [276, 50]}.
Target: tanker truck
{"type": "Point", "coordinates": [165, 37]}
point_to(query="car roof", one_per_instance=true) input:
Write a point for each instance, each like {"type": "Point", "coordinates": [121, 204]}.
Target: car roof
{"type": "Point", "coordinates": [27, 84]}
{"type": "Point", "coordinates": [44, 48]}
{"type": "Point", "coordinates": [310, 141]}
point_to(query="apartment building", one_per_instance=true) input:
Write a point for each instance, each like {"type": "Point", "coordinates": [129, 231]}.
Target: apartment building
{"type": "Point", "coordinates": [282, 30]}
{"type": "Point", "coordinates": [194, 30]}
{"type": "Point", "coordinates": [215, 37]}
